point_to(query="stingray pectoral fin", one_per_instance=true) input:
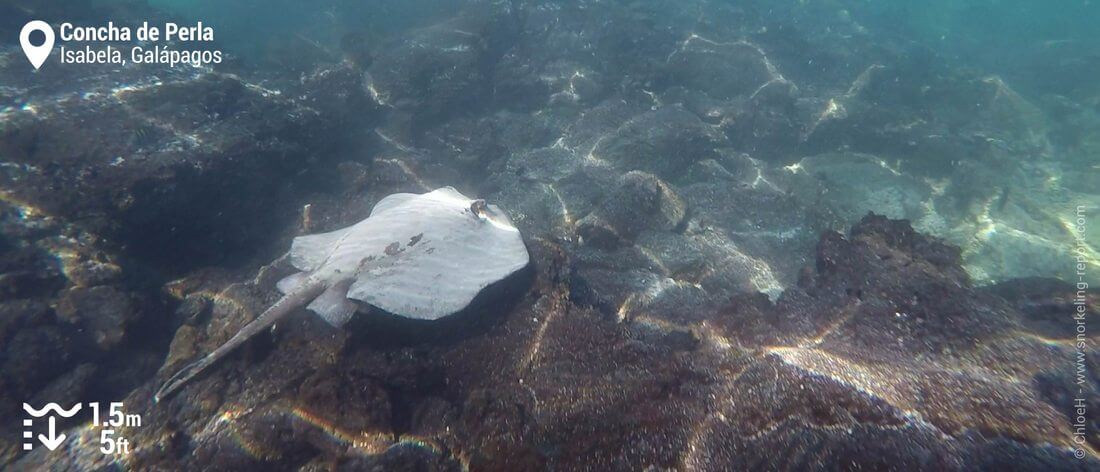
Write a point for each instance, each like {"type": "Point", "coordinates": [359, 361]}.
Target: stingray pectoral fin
{"type": "Point", "coordinates": [333, 305]}
{"type": "Point", "coordinates": [292, 282]}
{"type": "Point", "coordinates": [310, 252]}
{"type": "Point", "coordinates": [392, 201]}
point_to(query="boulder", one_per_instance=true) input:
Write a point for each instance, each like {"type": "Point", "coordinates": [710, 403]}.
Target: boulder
{"type": "Point", "coordinates": [640, 202]}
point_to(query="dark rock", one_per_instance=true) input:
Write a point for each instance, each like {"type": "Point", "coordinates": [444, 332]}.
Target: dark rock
{"type": "Point", "coordinates": [636, 46]}
{"type": "Point", "coordinates": [16, 315]}
{"type": "Point", "coordinates": [364, 407]}
{"type": "Point", "coordinates": [850, 185]}
{"type": "Point", "coordinates": [402, 456]}
{"type": "Point", "coordinates": [964, 118]}
{"type": "Point", "coordinates": [148, 155]}
{"type": "Point", "coordinates": [721, 69]}
{"type": "Point", "coordinates": [641, 202]}
{"type": "Point", "coordinates": [104, 311]}
{"type": "Point", "coordinates": [663, 142]}
{"type": "Point", "coordinates": [35, 355]}
{"type": "Point", "coordinates": [342, 91]}
{"type": "Point", "coordinates": [69, 388]}
{"type": "Point", "coordinates": [437, 71]}
{"type": "Point", "coordinates": [843, 324]}
{"type": "Point", "coordinates": [1046, 303]}
{"type": "Point", "coordinates": [770, 123]}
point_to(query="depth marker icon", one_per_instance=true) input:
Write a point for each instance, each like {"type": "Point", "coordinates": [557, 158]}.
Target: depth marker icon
{"type": "Point", "coordinates": [53, 440]}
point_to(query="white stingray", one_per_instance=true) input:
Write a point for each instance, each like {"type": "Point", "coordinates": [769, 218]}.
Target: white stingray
{"type": "Point", "coordinates": [422, 256]}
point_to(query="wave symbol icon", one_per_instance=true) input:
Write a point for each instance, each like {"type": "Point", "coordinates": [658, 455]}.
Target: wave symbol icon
{"type": "Point", "coordinates": [51, 407]}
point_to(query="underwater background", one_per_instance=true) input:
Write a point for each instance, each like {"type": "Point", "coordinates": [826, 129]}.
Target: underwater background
{"type": "Point", "coordinates": [764, 235]}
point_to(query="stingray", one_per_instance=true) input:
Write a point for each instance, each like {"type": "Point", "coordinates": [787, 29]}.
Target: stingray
{"type": "Point", "coordinates": [420, 256]}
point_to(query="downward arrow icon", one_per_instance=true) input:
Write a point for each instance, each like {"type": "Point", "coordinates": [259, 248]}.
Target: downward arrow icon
{"type": "Point", "coordinates": [53, 441]}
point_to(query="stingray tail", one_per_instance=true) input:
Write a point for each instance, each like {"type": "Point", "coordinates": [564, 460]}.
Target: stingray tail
{"type": "Point", "coordinates": [183, 376]}
{"type": "Point", "coordinates": [280, 309]}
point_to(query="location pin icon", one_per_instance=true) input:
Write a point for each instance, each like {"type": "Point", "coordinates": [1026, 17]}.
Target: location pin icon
{"type": "Point", "coordinates": [36, 54]}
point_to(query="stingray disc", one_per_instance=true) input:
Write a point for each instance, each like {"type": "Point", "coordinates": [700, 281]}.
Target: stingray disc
{"type": "Point", "coordinates": [419, 256]}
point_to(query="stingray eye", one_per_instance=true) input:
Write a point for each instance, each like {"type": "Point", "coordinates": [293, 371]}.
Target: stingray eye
{"type": "Point", "coordinates": [479, 208]}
